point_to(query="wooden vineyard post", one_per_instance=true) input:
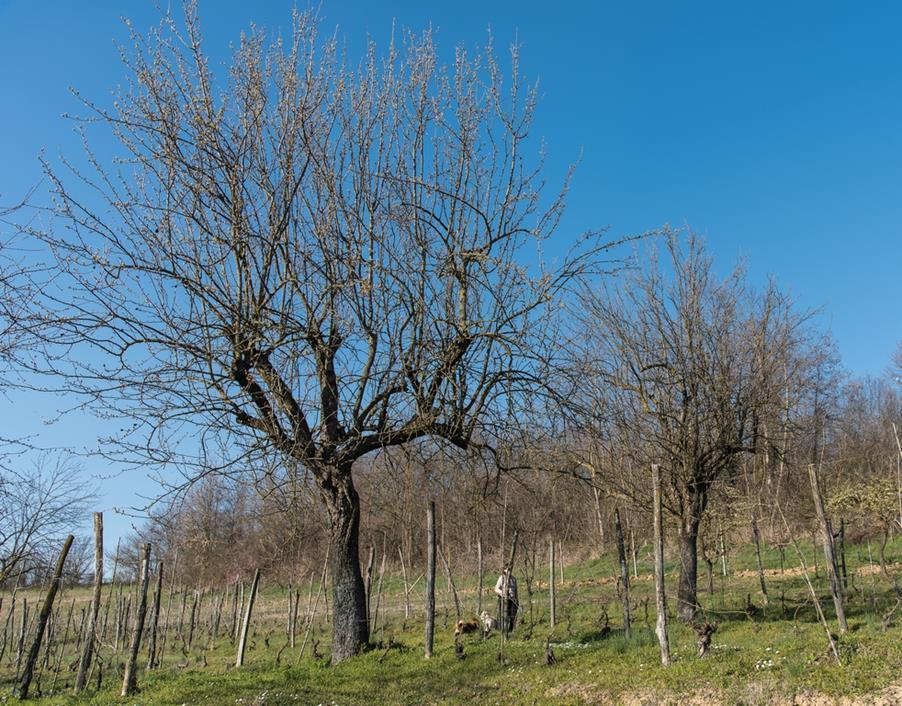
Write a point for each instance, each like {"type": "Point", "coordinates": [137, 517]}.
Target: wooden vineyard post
{"type": "Point", "coordinates": [245, 624]}
{"type": "Point", "coordinates": [87, 652]}
{"type": "Point", "coordinates": [32, 658]}
{"type": "Point", "coordinates": [430, 579]}
{"type": "Point", "coordinates": [155, 619]}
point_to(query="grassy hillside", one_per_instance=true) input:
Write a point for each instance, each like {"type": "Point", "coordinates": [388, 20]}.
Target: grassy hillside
{"type": "Point", "coordinates": [771, 657]}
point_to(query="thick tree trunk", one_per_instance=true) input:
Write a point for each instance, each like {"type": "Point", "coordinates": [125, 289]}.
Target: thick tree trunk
{"type": "Point", "coordinates": [687, 593]}
{"type": "Point", "coordinates": [350, 629]}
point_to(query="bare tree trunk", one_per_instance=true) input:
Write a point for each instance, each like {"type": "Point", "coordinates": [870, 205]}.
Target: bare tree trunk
{"type": "Point", "coordinates": [430, 579]}
{"type": "Point", "coordinates": [130, 680]}
{"type": "Point", "coordinates": [687, 592]}
{"type": "Point", "coordinates": [245, 624]}
{"type": "Point", "coordinates": [836, 589]}
{"type": "Point", "coordinates": [624, 572]}
{"type": "Point", "coordinates": [350, 627]}
{"type": "Point", "coordinates": [84, 663]}
{"type": "Point", "coordinates": [32, 658]}
{"type": "Point", "coordinates": [660, 597]}
{"type": "Point", "coordinates": [155, 619]}
{"type": "Point", "coordinates": [551, 596]}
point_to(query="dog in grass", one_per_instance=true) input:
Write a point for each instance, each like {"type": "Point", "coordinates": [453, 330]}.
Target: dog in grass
{"type": "Point", "coordinates": [488, 623]}
{"type": "Point", "coordinates": [466, 626]}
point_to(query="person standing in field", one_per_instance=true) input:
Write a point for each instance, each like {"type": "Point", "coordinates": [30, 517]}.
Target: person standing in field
{"type": "Point", "coordinates": [509, 604]}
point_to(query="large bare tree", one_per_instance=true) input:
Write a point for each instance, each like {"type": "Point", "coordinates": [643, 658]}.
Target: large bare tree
{"type": "Point", "coordinates": [309, 258]}
{"type": "Point", "coordinates": [682, 369]}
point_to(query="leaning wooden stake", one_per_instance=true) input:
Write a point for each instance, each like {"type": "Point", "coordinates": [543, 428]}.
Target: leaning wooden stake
{"type": "Point", "coordinates": [31, 660]}
{"type": "Point", "coordinates": [624, 572]}
{"type": "Point", "coordinates": [660, 597]}
{"type": "Point", "coordinates": [130, 679]}
{"type": "Point", "coordinates": [242, 642]}
{"type": "Point", "coordinates": [430, 579]}
{"type": "Point", "coordinates": [84, 663]}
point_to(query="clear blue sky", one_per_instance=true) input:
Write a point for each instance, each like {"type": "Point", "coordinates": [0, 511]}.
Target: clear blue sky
{"type": "Point", "coordinates": [774, 129]}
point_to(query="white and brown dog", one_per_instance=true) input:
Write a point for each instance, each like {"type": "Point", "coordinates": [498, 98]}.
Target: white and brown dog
{"type": "Point", "coordinates": [488, 623]}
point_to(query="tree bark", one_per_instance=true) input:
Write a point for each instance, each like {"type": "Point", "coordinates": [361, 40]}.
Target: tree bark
{"type": "Point", "coordinates": [84, 664]}
{"type": "Point", "coordinates": [687, 594]}
{"type": "Point", "coordinates": [130, 680]}
{"type": "Point", "coordinates": [660, 596]}
{"type": "Point", "coordinates": [350, 628]}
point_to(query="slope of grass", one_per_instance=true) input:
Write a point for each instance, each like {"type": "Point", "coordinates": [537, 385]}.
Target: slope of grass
{"type": "Point", "coordinates": [782, 652]}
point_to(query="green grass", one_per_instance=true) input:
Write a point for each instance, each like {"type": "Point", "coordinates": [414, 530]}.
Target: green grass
{"type": "Point", "coordinates": [783, 652]}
